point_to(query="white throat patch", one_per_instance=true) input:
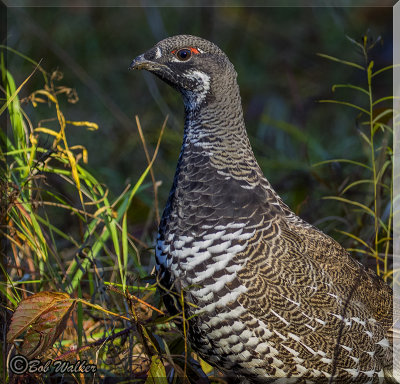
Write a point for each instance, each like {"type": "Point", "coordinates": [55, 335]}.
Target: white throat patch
{"type": "Point", "coordinates": [193, 99]}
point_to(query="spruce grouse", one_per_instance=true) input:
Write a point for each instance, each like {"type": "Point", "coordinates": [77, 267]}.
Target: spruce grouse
{"type": "Point", "coordinates": [274, 296]}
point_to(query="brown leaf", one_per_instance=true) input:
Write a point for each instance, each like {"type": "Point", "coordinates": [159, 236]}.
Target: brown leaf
{"type": "Point", "coordinates": [43, 316]}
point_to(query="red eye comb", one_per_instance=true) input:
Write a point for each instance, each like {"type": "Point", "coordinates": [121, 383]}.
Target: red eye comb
{"type": "Point", "coordinates": [195, 51]}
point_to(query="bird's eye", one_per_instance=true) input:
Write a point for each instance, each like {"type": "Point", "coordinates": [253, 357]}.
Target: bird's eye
{"type": "Point", "coordinates": [184, 54]}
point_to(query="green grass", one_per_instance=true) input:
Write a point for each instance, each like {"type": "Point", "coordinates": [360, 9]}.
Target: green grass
{"type": "Point", "coordinates": [47, 182]}
{"type": "Point", "coordinates": [374, 187]}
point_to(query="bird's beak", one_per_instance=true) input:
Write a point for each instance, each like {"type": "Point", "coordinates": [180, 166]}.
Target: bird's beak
{"type": "Point", "coordinates": [141, 63]}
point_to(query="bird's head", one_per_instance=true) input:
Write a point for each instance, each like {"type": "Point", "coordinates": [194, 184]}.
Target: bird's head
{"type": "Point", "coordinates": [194, 66]}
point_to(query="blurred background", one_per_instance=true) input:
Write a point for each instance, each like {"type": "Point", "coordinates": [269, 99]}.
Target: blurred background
{"type": "Point", "coordinates": [281, 77]}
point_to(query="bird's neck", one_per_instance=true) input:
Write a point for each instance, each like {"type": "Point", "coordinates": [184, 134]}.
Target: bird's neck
{"type": "Point", "coordinates": [215, 138]}
{"type": "Point", "coordinates": [215, 121]}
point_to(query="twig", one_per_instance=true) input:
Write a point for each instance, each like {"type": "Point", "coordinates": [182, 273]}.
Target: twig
{"type": "Point", "coordinates": [133, 297]}
{"type": "Point", "coordinates": [96, 343]}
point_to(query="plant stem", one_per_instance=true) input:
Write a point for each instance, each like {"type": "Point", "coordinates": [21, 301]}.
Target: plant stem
{"type": "Point", "coordinates": [371, 124]}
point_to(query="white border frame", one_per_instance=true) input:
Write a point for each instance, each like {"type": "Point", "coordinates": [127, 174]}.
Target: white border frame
{"type": "Point", "coordinates": [396, 190]}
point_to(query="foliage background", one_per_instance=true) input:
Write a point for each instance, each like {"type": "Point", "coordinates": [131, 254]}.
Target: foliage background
{"type": "Point", "coordinates": [273, 50]}
{"type": "Point", "coordinates": [280, 77]}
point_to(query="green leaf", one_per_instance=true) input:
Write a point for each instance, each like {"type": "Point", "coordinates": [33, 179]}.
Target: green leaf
{"type": "Point", "coordinates": [77, 271]}
{"type": "Point", "coordinates": [355, 42]}
{"type": "Point", "coordinates": [382, 170]}
{"type": "Point", "coordinates": [358, 182]}
{"type": "Point", "coordinates": [157, 374]}
{"type": "Point", "coordinates": [378, 117]}
{"type": "Point", "coordinates": [363, 251]}
{"type": "Point", "coordinates": [345, 103]}
{"type": "Point", "coordinates": [27, 59]}
{"type": "Point", "coordinates": [349, 86]}
{"type": "Point", "coordinates": [351, 64]}
{"type": "Point", "coordinates": [385, 69]}
{"type": "Point", "coordinates": [133, 287]}
{"type": "Point", "coordinates": [356, 203]}
{"type": "Point", "coordinates": [359, 240]}
{"type": "Point", "coordinates": [124, 249]}
{"type": "Point", "coordinates": [9, 289]}
{"type": "Point", "coordinates": [342, 161]}
{"type": "Point", "coordinates": [363, 135]}
{"type": "Point", "coordinates": [385, 98]}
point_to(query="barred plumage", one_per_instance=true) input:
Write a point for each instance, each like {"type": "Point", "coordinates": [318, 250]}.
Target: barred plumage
{"type": "Point", "coordinates": [276, 297]}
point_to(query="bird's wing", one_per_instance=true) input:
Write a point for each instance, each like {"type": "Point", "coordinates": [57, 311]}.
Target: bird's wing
{"type": "Point", "coordinates": [349, 278]}
{"type": "Point", "coordinates": [317, 303]}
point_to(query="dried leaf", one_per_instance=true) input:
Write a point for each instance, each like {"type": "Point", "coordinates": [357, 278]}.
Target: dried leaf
{"type": "Point", "coordinates": [43, 316]}
{"type": "Point", "coordinates": [90, 125]}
